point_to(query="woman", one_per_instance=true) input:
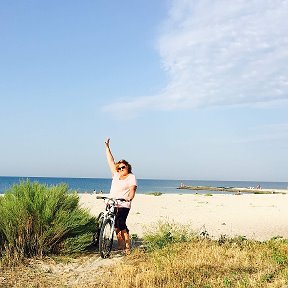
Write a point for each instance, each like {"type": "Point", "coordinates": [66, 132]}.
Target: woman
{"type": "Point", "coordinates": [123, 185]}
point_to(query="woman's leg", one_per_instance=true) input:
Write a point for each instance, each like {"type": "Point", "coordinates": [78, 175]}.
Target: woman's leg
{"type": "Point", "coordinates": [120, 239]}
{"type": "Point", "coordinates": [121, 229]}
{"type": "Point", "coordinates": [126, 237]}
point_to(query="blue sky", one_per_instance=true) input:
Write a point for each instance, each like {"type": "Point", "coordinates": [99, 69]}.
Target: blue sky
{"type": "Point", "coordinates": [185, 89]}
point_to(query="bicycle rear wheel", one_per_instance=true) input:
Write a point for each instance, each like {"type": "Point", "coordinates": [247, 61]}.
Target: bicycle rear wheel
{"type": "Point", "coordinates": [106, 238]}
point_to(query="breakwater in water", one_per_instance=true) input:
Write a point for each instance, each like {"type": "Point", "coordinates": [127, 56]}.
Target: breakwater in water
{"type": "Point", "coordinates": [235, 189]}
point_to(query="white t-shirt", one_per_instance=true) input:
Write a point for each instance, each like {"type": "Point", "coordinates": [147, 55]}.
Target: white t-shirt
{"type": "Point", "coordinates": [121, 188]}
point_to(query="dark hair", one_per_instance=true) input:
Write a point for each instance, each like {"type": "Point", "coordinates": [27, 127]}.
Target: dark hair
{"type": "Point", "coordinates": [122, 161]}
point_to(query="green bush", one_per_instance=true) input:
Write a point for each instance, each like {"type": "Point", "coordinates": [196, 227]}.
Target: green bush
{"type": "Point", "coordinates": [38, 220]}
{"type": "Point", "coordinates": [166, 233]}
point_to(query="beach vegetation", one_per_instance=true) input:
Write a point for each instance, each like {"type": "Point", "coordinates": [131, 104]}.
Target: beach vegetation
{"type": "Point", "coordinates": [39, 220]}
{"type": "Point", "coordinates": [204, 263]}
{"type": "Point", "coordinates": [155, 193]}
{"type": "Point", "coordinates": [165, 233]}
{"type": "Point", "coordinates": [262, 192]}
{"type": "Point", "coordinates": [172, 260]}
{"type": "Point", "coordinates": [279, 253]}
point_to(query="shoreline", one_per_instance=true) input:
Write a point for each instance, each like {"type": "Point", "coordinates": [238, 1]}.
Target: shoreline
{"type": "Point", "coordinates": [253, 216]}
{"type": "Point", "coordinates": [235, 189]}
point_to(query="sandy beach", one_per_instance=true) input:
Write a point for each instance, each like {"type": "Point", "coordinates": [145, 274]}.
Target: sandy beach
{"type": "Point", "coordinates": [259, 217]}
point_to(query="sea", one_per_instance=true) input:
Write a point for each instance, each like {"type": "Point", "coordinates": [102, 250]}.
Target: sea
{"type": "Point", "coordinates": [145, 186]}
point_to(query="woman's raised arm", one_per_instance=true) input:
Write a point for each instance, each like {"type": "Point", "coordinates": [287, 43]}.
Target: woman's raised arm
{"type": "Point", "coordinates": [110, 158]}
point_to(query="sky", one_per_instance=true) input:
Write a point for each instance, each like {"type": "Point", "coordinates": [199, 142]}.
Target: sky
{"type": "Point", "coordinates": [194, 90]}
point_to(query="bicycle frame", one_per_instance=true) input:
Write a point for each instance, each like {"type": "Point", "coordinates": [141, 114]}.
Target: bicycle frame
{"type": "Point", "coordinates": [110, 214]}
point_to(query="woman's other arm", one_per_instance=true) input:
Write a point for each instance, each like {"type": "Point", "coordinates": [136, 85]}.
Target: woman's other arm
{"type": "Point", "coordinates": [110, 158]}
{"type": "Point", "coordinates": [132, 192]}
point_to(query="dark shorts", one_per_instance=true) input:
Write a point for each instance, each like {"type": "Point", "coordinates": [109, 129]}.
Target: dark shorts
{"type": "Point", "coordinates": [121, 216]}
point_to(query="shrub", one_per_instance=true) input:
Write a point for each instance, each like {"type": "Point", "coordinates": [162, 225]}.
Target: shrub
{"type": "Point", "coordinates": [155, 193]}
{"type": "Point", "coordinates": [166, 233]}
{"type": "Point", "coordinates": [37, 220]}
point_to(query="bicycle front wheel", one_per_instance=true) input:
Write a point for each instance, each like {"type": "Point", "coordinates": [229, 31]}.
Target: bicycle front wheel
{"type": "Point", "coordinates": [96, 235]}
{"type": "Point", "coordinates": [106, 238]}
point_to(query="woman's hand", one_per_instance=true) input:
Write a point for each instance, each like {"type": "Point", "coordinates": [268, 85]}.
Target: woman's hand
{"type": "Point", "coordinates": [107, 141]}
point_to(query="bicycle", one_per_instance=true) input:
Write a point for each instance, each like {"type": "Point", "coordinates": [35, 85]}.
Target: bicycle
{"type": "Point", "coordinates": [104, 235]}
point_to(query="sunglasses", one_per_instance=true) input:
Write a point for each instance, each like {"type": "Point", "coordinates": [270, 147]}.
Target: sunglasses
{"type": "Point", "coordinates": [121, 168]}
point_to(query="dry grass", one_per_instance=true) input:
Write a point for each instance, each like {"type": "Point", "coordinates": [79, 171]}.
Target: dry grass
{"type": "Point", "coordinates": [204, 263]}
{"type": "Point", "coordinates": [197, 263]}
{"type": "Point", "coordinates": [172, 257]}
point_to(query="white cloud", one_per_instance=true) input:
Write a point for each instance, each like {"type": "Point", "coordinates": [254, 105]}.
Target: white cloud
{"type": "Point", "coordinates": [220, 53]}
